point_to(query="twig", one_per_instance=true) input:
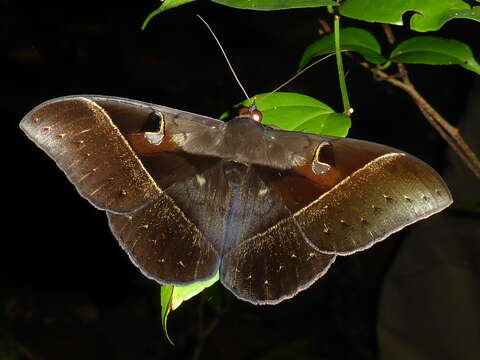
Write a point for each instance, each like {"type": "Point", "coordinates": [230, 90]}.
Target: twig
{"type": "Point", "coordinates": [391, 40]}
{"type": "Point", "coordinates": [389, 34]}
{"type": "Point", "coordinates": [325, 27]}
{"type": "Point", "coordinates": [448, 132]}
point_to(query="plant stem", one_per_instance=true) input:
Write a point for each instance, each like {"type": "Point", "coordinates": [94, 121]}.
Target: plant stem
{"type": "Point", "coordinates": [341, 74]}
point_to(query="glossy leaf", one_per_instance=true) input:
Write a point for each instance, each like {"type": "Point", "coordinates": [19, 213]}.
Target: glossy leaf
{"type": "Point", "coordinates": [171, 297]}
{"type": "Point", "coordinates": [429, 15]}
{"type": "Point", "coordinates": [351, 39]}
{"type": "Point", "coordinates": [297, 112]}
{"type": "Point", "coordinates": [275, 4]}
{"type": "Point", "coordinates": [166, 5]}
{"type": "Point", "coordinates": [165, 302]}
{"type": "Point", "coordinates": [184, 293]}
{"type": "Point", "coordinates": [435, 51]}
{"type": "Point", "coordinates": [471, 14]}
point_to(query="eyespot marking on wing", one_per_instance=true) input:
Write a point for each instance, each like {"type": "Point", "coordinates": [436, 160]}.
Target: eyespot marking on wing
{"type": "Point", "coordinates": [323, 158]}
{"type": "Point", "coordinates": [157, 121]}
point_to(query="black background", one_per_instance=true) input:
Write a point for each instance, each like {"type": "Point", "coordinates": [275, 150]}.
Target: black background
{"type": "Point", "coordinates": [68, 289]}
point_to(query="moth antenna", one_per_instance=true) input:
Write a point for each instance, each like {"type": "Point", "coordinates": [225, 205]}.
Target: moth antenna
{"type": "Point", "coordinates": [296, 75]}
{"type": "Point", "coordinates": [225, 56]}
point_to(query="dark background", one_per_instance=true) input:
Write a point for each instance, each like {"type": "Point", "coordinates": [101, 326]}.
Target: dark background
{"type": "Point", "coordinates": [68, 289]}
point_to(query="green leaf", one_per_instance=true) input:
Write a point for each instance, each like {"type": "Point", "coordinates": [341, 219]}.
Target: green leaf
{"type": "Point", "coordinates": [351, 39]}
{"type": "Point", "coordinates": [472, 14]}
{"type": "Point", "coordinates": [171, 297]}
{"type": "Point", "coordinates": [275, 4]}
{"type": "Point", "coordinates": [165, 301]}
{"type": "Point", "coordinates": [183, 293]}
{"type": "Point", "coordinates": [166, 5]}
{"type": "Point", "coordinates": [435, 51]}
{"type": "Point", "coordinates": [429, 15]}
{"type": "Point", "coordinates": [297, 112]}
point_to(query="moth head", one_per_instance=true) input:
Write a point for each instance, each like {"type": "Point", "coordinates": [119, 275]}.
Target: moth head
{"type": "Point", "coordinates": [251, 112]}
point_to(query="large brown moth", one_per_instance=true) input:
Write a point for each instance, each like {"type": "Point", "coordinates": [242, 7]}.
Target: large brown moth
{"type": "Point", "coordinates": [187, 195]}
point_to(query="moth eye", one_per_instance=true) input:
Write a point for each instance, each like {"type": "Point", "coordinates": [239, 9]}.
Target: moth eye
{"type": "Point", "coordinates": [254, 114]}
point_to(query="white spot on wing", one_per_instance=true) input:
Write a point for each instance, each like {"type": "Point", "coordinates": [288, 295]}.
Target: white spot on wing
{"type": "Point", "coordinates": [200, 180]}
{"type": "Point", "coordinates": [179, 139]}
{"type": "Point", "coordinates": [263, 191]}
{"type": "Point", "coordinates": [83, 132]}
{"type": "Point", "coordinates": [298, 160]}
{"type": "Point", "coordinates": [154, 138]}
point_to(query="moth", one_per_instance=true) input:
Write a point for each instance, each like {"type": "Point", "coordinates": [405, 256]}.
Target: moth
{"type": "Point", "coordinates": [188, 195]}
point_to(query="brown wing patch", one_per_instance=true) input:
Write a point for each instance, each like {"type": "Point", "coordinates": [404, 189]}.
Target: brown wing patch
{"type": "Point", "coordinates": [164, 244]}
{"type": "Point", "coordinates": [82, 139]}
{"type": "Point", "coordinates": [384, 196]}
{"type": "Point", "coordinates": [273, 266]}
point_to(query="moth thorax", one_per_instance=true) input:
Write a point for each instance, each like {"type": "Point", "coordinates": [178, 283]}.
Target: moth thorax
{"type": "Point", "coordinates": [234, 172]}
{"type": "Point", "coordinates": [243, 135]}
